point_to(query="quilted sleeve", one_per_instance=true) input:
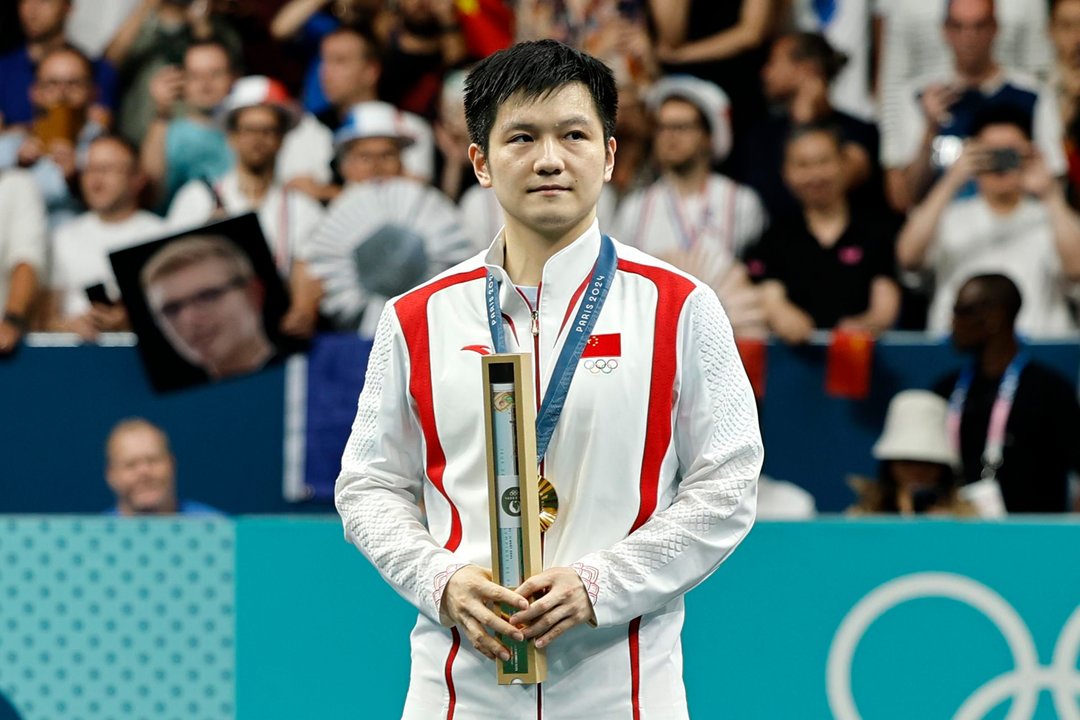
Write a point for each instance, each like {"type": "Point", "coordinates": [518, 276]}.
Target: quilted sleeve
{"type": "Point", "coordinates": [718, 443]}
{"type": "Point", "coordinates": [381, 481]}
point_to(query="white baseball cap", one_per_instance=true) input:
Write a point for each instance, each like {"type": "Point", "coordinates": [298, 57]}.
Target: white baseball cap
{"type": "Point", "coordinates": [706, 97]}
{"type": "Point", "coordinates": [256, 90]}
{"type": "Point", "coordinates": [374, 119]}
{"type": "Point", "coordinates": [915, 429]}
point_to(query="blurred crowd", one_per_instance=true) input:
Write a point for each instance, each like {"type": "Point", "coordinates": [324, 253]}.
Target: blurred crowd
{"type": "Point", "coordinates": [836, 165]}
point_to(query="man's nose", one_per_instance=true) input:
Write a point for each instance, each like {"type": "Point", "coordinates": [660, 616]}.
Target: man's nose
{"type": "Point", "coordinates": [550, 159]}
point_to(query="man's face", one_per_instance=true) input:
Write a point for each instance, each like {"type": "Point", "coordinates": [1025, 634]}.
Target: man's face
{"type": "Point", "coordinates": [207, 77]}
{"type": "Point", "coordinates": [974, 318]}
{"type": "Point", "coordinates": [1007, 184]}
{"type": "Point", "coordinates": [62, 79]}
{"type": "Point", "coordinates": [547, 161]}
{"type": "Point", "coordinates": [43, 19]}
{"type": "Point", "coordinates": [680, 136]}
{"type": "Point", "coordinates": [780, 76]}
{"type": "Point", "coordinates": [257, 137]}
{"type": "Point", "coordinates": [209, 315]}
{"type": "Point", "coordinates": [141, 470]}
{"type": "Point", "coordinates": [1065, 32]}
{"type": "Point", "coordinates": [371, 158]}
{"type": "Point", "coordinates": [814, 170]}
{"type": "Point", "coordinates": [346, 71]}
{"type": "Point", "coordinates": [970, 29]}
{"type": "Point", "coordinates": [110, 177]}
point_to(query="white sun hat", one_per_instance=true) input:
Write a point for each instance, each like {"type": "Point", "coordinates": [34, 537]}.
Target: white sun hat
{"type": "Point", "coordinates": [706, 97]}
{"type": "Point", "coordinates": [374, 119]}
{"type": "Point", "coordinates": [257, 90]}
{"type": "Point", "coordinates": [915, 429]}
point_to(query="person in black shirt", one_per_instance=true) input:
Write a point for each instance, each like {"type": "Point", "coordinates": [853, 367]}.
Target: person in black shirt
{"type": "Point", "coordinates": [1041, 441]}
{"type": "Point", "coordinates": [796, 82]}
{"type": "Point", "coordinates": [830, 264]}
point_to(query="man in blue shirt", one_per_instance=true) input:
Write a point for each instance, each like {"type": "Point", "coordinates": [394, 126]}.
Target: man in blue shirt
{"type": "Point", "coordinates": [141, 471]}
{"type": "Point", "coordinates": [42, 24]}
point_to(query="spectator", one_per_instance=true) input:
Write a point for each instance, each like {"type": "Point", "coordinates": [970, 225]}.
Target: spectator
{"type": "Point", "coordinates": [42, 24]}
{"type": "Point", "coordinates": [189, 144]}
{"type": "Point", "coordinates": [936, 112]}
{"type": "Point", "coordinates": [1065, 32]}
{"type": "Point", "coordinates": [205, 297]}
{"type": "Point", "coordinates": [696, 219]}
{"type": "Point", "coordinates": [371, 142]}
{"type": "Point", "coordinates": [111, 183]}
{"type": "Point", "coordinates": [1013, 420]}
{"type": "Point", "coordinates": [796, 80]}
{"type": "Point", "coordinates": [831, 264]}
{"type": "Point", "coordinates": [258, 114]}
{"type": "Point", "coordinates": [1017, 223]}
{"type": "Point", "coordinates": [914, 48]}
{"type": "Point", "coordinates": [724, 42]}
{"type": "Point", "coordinates": [53, 146]}
{"type": "Point", "coordinates": [22, 253]}
{"type": "Point", "coordinates": [349, 72]}
{"type": "Point", "coordinates": [141, 471]}
{"type": "Point", "coordinates": [452, 138]}
{"type": "Point", "coordinates": [917, 471]}
{"type": "Point", "coordinates": [846, 25]}
{"type": "Point", "coordinates": [157, 35]}
{"type": "Point", "coordinates": [422, 42]}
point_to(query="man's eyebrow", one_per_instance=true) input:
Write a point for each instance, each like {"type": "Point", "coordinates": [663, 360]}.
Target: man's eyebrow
{"type": "Point", "coordinates": [532, 127]}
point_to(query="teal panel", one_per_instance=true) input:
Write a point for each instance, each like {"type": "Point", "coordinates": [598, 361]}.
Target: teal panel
{"type": "Point", "coordinates": [321, 635]}
{"type": "Point", "coordinates": [113, 618]}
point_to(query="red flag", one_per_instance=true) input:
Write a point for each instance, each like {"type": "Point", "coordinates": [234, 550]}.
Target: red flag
{"type": "Point", "coordinates": [753, 352]}
{"type": "Point", "coordinates": [488, 25]}
{"type": "Point", "coordinates": [603, 346]}
{"type": "Point", "coordinates": [847, 367]}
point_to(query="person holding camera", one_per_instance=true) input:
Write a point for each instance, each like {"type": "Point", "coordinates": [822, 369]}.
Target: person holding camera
{"type": "Point", "coordinates": [1018, 224]}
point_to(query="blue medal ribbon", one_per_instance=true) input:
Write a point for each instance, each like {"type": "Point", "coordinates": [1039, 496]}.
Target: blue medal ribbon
{"type": "Point", "coordinates": [579, 333]}
{"type": "Point", "coordinates": [999, 414]}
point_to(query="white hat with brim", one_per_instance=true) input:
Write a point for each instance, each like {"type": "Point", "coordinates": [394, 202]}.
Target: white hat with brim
{"type": "Point", "coordinates": [259, 90]}
{"type": "Point", "coordinates": [374, 119]}
{"type": "Point", "coordinates": [915, 430]}
{"type": "Point", "coordinates": [706, 97]}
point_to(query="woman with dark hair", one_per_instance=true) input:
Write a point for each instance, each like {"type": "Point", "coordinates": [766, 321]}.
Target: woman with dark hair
{"type": "Point", "coordinates": [917, 464]}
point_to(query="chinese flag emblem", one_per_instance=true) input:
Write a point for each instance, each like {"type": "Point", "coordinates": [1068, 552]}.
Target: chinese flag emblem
{"type": "Point", "coordinates": [848, 363]}
{"type": "Point", "coordinates": [609, 345]}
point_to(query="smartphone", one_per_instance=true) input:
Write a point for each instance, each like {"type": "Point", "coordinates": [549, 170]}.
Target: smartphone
{"type": "Point", "coordinates": [1002, 160]}
{"type": "Point", "coordinates": [97, 294]}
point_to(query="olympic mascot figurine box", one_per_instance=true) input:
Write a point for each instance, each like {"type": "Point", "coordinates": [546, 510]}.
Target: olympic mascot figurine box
{"type": "Point", "coordinates": [513, 496]}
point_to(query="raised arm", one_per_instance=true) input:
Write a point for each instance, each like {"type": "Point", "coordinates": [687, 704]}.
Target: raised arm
{"type": "Point", "coordinates": [918, 233]}
{"type": "Point", "coordinates": [292, 16]}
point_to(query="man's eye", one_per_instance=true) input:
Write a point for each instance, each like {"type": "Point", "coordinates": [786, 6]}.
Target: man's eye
{"type": "Point", "coordinates": [520, 139]}
{"type": "Point", "coordinates": [576, 135]}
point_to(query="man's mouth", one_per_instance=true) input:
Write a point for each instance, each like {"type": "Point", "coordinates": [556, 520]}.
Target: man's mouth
{"type": "Point", "coordinates": [549, 189]}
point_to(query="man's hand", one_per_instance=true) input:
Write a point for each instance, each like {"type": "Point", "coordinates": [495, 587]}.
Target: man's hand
{"type": "Point", "coordinates": [470, 600]}
{"type": "Point", "coordinates": [166, 87]}
{"type": "Point", "coordinates": [793, 325]}
{"type": "Point", "coordinates": [299, 322]}
{"type": "Point", "coordinates": [936, 101]}
{"type": "Point", "coordinates": [30, 151]}
{"type": "Point", "coordinates": [562, 603]}
{"type": "Point", "coordinates": [10, 335]}
{"type": "Point", "coordinates": [109, 318]}
{"type": "Point", "coordinates": [1037, 179]}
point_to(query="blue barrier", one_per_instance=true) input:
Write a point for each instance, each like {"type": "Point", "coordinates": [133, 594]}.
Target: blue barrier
{"type": "Point", "coordinates": [58, 404]}
{"type": "Point", "coordinates": [268, 619]}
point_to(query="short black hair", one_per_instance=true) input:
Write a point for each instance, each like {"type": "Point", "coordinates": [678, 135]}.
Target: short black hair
{"type": "Point", "coordinates": [535, 69]}
{"type": "Point", "coordinates": [1000, 113]}
{"type": "Point", "coordinates": [815, 48]}
{"type": "Point", "coordinates": [232, 118]}
{"type": "Point", "coordinates": [1001, 292]}
{"type": "Point", "coordinates": [369, 43]}
{"type": "Point", "coordinates": [211, 42]}
{"type": "Point", "coordinates": [812, 128]}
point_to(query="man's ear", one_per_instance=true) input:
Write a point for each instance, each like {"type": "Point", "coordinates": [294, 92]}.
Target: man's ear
{"type": "Point", "coordinates": [609, 159]}
{"type": "Point", "coordinates": [480, 165]}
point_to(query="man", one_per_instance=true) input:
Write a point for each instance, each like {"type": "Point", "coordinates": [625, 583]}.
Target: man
{"type": "Point", "coordinates": [1028, 450]}
{"type": "Point", "coordinates": [62, 94]}
{"type": "Point", "coordinates": [22, 253]}
{"type": "Point", "coordinates": [939, 110]}
{"type": "Point", "coordinates": [829, 265]}
{"type": "Point", "coordinates": [697, 220]}
{"type": "Point", "coordinates": [649, 506]}
{"type": "Point", "coordinates": [111, 183]}
{"type": "Point", "coordinates": [796, 80]}
{"type": "Point", "coordinates": [258, 114]}
{"type": "Point", "coordinates": [205, 297]}
{"type": "Point", "coordinates": [42, 24]}
{"type": "Point", "coordinates": [350, 75]}
{"type": "Point", "coordinates": [141, 471]}
{"type": "Point", "coordinates": [370, 142]}
{"type": "Point", "coordinates": [188, 146]}
{"type": "Point", "coordinates": [1017, 223]}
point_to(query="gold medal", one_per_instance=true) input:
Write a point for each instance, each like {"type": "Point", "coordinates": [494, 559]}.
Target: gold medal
{"type": "Point", "coordinates": [549, 504]}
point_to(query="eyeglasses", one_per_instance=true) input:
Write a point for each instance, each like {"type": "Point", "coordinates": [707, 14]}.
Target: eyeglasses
{"type": "Point", "coordinates": [62, 83]}
{"type": "Point", "coordinates": [201, 300]}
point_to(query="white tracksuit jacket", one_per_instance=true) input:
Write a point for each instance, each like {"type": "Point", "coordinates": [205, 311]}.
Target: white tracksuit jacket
{"type": "Point", "coordinates": [655, 462]}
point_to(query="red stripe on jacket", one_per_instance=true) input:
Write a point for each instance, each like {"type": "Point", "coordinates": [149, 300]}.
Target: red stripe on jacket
{"type": "Point", "coordinates": [412, 314]}
{"type": "Point", "coordinates": [672, 291]}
